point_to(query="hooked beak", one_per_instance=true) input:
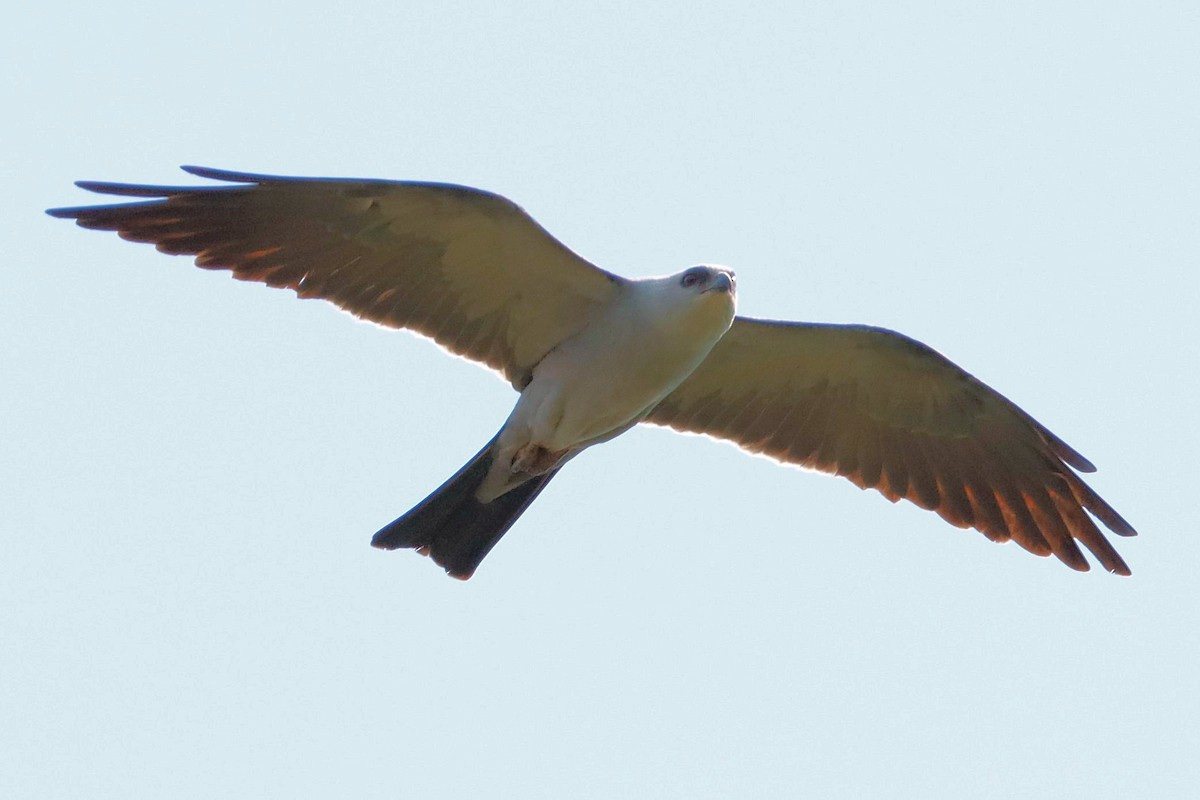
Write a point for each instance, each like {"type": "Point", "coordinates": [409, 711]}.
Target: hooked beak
{"type": "Point", "coordinates": [721, 283]}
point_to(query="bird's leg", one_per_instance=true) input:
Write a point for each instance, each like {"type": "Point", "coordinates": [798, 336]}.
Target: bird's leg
{"type": "Point", "coordinates": [534, 459]}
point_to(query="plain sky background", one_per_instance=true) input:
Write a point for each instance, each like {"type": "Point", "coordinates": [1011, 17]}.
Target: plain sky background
{"type": "Point", "coordinates": [192, 467]}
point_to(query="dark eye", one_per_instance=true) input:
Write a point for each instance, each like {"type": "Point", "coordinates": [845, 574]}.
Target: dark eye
{"type": "Point", "coordinates": [691, 279]}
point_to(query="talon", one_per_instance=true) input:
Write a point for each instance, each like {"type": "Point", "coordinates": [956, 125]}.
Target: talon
{"type": "Point", "coordinates": [534, 459]}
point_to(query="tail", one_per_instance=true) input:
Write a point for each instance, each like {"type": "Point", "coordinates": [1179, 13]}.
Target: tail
{"type": "Point", "coordinates": [453, 527]}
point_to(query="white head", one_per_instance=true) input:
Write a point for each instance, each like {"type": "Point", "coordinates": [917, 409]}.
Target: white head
{"type": "Point", "coordinates": [701, 298]}
{"type": "Point", "coordinates": [706, 278]}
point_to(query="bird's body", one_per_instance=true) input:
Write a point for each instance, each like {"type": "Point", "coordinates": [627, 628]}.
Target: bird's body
{"type": "Point", "coordinates": [606, 378]}
{"type": "Point", "coordinates": [593, 354]}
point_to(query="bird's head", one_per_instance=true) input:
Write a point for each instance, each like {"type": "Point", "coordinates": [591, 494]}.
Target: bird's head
{"type": "Point", "coordinates": [701, 300]}
{"type": "Point", "coordinates": [708, 279]}
{"type": "Point", "coordinates": [711, 288]}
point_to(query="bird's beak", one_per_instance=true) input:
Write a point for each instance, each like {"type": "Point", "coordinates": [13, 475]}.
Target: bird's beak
{"type": "Point", "coordinates": [721, 283]}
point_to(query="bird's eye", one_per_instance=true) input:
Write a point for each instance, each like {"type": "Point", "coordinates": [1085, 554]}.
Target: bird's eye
{"type": "Point", "coordinates": [691, 279]}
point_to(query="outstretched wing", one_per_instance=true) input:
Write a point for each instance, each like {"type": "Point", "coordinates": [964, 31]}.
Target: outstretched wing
{"type": "Point", "coordinates": [468, 269]}
{"type": "Point", "coordinates": [891, 414]}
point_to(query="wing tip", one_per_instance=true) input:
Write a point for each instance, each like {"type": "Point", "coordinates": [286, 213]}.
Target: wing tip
{"type": "Point", "coordinates": [1063, 450]}
{"type": "Point", "coordinates": [151, 191]}
{"type": "Point", "coordinates": [1116, 523]}
{"type": "Point", "coordinates": [213, 173]}
{"type": "Point", "coordinates": [1111, 561]}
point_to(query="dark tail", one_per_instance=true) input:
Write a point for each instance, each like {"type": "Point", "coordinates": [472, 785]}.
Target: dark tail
{"type": "Point", "coordinates": [454, 528]}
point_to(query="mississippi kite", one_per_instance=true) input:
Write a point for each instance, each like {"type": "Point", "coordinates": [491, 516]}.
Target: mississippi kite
{"type": "Point", "coordinates": [593, 354]}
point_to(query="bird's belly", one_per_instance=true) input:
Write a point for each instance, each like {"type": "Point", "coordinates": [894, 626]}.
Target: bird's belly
{"type": "Point", "coordinates": [593, 413]}
{"type": "Point", "coordinates": [585, 399]}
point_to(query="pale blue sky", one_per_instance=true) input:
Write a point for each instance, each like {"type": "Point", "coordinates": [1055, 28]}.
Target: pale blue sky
{"type": "Point", "coordinates": [193, 467]}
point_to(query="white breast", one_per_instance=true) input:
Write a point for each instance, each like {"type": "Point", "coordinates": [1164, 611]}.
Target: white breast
{"type": "Point", "coordinates": [612, 373]}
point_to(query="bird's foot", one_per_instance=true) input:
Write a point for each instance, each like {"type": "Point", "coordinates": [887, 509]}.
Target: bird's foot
{"type": "Point", "coordinates": [533, 459]}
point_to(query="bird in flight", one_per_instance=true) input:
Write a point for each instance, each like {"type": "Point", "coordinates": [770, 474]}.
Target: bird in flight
{"type": "Point", "coordinates": [592, 354]}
